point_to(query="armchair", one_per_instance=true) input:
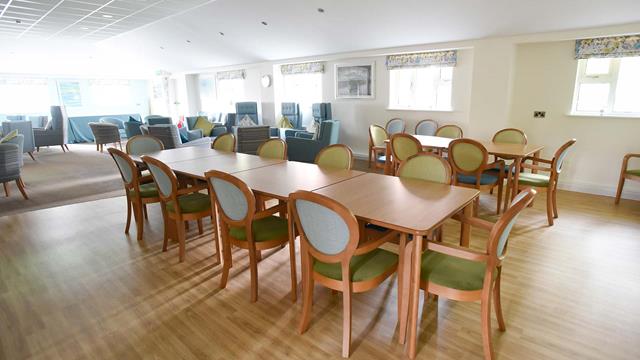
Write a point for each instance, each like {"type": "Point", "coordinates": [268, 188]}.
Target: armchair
{"type": "Point", "coordinates": [24, 128]}
{"type": "Point", "coordinates": [158, 120]}
{"type": "Point", "coordinates": [304, 148]}
{"type": "Point", "coordinates": [249, 108]}
{"type": "Point", "coordinates": [105, 133]}
{"type": "Point", "coordinates": [169, 135]}
{"type": "Point", "coordinates": [132, 128]}
{"type": "Point", "coordinates": [117, 122]}
{"type": "Point", "coordinates": [218, 128]}
{"type": "Point", "coordinates": [292, 112]}
{"type": "Point", "coordinates": [55, 132]}
{"type": "Point", "coordinates": [626, 173]}
{"type": "Point", "coordinates": [11, 164]}
{"type": "Point", "coordinates": [249, 138]}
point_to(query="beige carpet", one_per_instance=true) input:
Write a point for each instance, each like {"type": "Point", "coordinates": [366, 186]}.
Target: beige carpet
{"type": "Point", "coordinates": [58, 178]}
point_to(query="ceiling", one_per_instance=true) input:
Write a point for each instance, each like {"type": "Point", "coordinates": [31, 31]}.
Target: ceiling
{"type": "Point", "coordinates": [179, 35]}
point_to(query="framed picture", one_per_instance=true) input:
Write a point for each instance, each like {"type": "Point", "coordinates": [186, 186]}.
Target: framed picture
{"type": "Point", "coordinates": [355, 81]}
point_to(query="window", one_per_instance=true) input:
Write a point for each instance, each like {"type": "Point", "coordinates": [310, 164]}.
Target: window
{"type": "Point", "coordinates": [112, 93]}
{"type": "Point", "coordinates": [607, 86]}
{"type": "Point", "coordinates": [70, 93]}
{"type": "Point", "coordinates": [421, 88]}
{"type": "Point", "coordinates": [24, 96]}
{"type": "Point", "coordinates": [304, 89]}
{"type": "Point", "coordinates": [207, 93]}
{"type": "Point", "coordinates": [229, 91]}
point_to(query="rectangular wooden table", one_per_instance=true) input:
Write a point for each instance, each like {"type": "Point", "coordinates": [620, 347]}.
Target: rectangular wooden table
{"type": "Point", "coordinates": [227, 162]}
{"type": "Point", "coordinates": [181, 154]}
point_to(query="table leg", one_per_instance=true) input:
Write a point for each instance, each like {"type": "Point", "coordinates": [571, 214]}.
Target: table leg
{"type": "Point", "coordinates": [465, 228]}
{"type": "Point", "coordinates": [537, 155]}
{"type": "Point", "coordinates": [516, 178]}
{"type": "Point", "coordinates": [292, 255]}
{"type": "Point", "coordinates": [387, 159]}
{"type": "Point", "coordinates": [414, 296]}
{"type": "Point", "coordinates": [404, 279]}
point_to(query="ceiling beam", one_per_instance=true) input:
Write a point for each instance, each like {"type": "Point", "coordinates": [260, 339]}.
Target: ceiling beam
{"type": "Point", "coordinates": [40, 19]}
{"type": "Point", "coordinates": [84, 17]}
{"type": "Point", "coordinates": [5, 8]}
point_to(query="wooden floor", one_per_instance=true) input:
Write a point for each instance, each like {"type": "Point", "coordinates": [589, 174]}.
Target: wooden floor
{"type": "Point", "coordinates": [72, 285]}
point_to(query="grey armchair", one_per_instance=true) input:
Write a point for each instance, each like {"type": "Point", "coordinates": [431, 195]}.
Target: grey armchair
{"type": "Point", "coordinates": [117, 122]}
{"type": "Point", "coordinates": [249, 138]}
{"type": "Point", "coordinates": [24, 128]}
{"type": "Point", "coordinates": [11, 164]}
{"type": "Point", "coordinates": [38, 121]}
{"type": "Point", "coordinates": [169, 135]}
{"type": "Point", "coordinates": [105, 133]}
{"type": "Point", "coordinates": [55, 132]}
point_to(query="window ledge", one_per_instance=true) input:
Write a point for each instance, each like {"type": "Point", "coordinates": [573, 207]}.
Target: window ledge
{"type": "Point", "coordinates": [613, 116]}
{"type": "Point", "coordinates": [419, 110]}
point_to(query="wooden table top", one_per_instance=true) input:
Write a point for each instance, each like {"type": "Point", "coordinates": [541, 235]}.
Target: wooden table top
{"type": "Point", "coordinates": [431, 141]}
{"type": "Point", "coordinates": [227, 162]}
{"type": "Point", "coordinates": [507, 150]}
{"type": "Point", "coordinates": [407, 205]}
{"type": "Point", "coordinates": [181, 154]}
{"type": "Point", "coordinates": [281, 179]}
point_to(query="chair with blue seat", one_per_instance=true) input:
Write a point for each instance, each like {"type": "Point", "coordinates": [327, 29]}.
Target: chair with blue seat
{"type": "Point", "coordinates": [247, 108]}
{"type": "Point", "coordinates": [55, 131]}
{"type": "Point", "coordinates": [462, 274]}
{"type": "Point", "coordinates": [470, 162]}
{"type": "Point", "coordinates": [26, 129]}
{"type": "Point", "coordinates": [243, 226]}
{"type": "Point", "coordinates": [626, 174]}
{"type": "Point", "coordinates": [338, 255]}
{"type": "Point", "coordinates": [303, 147]}
{"type": "Point", "coordinates": [132, 127]}
{"type": "Point", "coordinates": [377, 146]}
{"type": "Point", "coordinates": [291, 111]}
{"type": "Point", "coordinates": [143, 144]}
{"type": "Point", "coordinates": [179, 205]}
{"type": "Point", "coordinates": [11, 162]}
{"type": "Point", "coordinates": [395, 126]}
{"type": "Point", "coordinates": [550, 181]}
{"type": "Point", "coordinates": [336, 156]}
{"type": "Point", "coordinates": [426, 127]}
{"type": "Point", "coordinates": [139, 190]}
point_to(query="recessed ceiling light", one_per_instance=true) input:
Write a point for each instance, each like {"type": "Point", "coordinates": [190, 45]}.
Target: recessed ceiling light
{"type": "Point", "coordinates": [320, 10]}
{"type": "Point", "coordinates": [189, 41]}
{"type": "Point", "coordinates": [18, 21]}
{"type": "Point", "coordinates": [264, 23]}
{"type": "Point", "coordinates": [85, 28]}
{"type": "Point", "coordinates": [221, 33]}
{"type": "Point", "coordinates": [161, 47]}
{"type": "Point", "coordinates": [107, 16]}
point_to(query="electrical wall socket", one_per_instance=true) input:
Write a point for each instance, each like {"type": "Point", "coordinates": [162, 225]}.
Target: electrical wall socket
{"type": "Point", "coordinates": [539, 114]}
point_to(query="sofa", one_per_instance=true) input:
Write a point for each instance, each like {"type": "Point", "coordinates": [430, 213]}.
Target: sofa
{"type": "Point", "coordinates": [303, 147]}
{"type": "Point", "coordinates": [55, 132]}
{"type": "Point", "coordinates": [24, 128]}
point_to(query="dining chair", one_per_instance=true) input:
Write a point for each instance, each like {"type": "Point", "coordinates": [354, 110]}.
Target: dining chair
{"type": "Point", "coordinates": [245, 227]}
{"type": "Point", "coordinates": [139, 191]}
{"type": "Point", "coordinates": [462, 274]}
{"type": "Point", "coordinates": [471, 168]}
{"type": "Point", "coordinates": [395, 126]}
{"type": "Point", "coordinates": [179, 205]}
{"type": "Point", "coordinates": [426, 166]}
{"type": "Point", "coordinates": [377, 146]}
{"type": "Point", "coordinates": [273, 149]}
{"type": "Point", "coordinates": [337, 255]}
{"type": "Point", "coordinates": [337, 156]}
{"type": "Point", "coordinates": [550, 182]}
{"type": "Point", "coordinates": [626, 173]}
{"type": "Point", "coordinates": [449, 131]}
{"type": "Point", "coordinates": [426, 127]}
{"type": "Point", "coordinates": [143, 144]}
{"type": "Point", "coordinates": [403, 146]}
{"type": "Point", "coordinates": [224, 142]}
{"type": "Point", "coordinates": [508, 136]}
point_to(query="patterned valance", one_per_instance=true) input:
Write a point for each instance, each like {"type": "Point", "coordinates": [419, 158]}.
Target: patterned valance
{"type": "Point", "coordinates": [302, 68]}
{"type": "Point", "coordinates": [608, 47]}
{"type": "Point", "coordinates": [230, 75]}
{"type": "Point", "coordinates": [422, 59]}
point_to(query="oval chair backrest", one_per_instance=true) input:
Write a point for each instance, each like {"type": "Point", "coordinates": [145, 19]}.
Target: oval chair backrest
{"type": "Point", "coordinates": [224, 142]}
{"type": "Point", "coordinates": [467, 156]}
{"type": "Point", "coordinates": [510, 136]}
{"type": "Point", "coordinates": [427, 127]}
{"type": "Point", "coordinates": [404, 146]}
{"type": "Point", "coordinates": [377, 135]}
{"type": "Point", "coordinates": [328, 227]}
{"type": "Point", "coordinates": [337, 156]}
{"type": "Point", "coordinates": [273, 149]}
{"type": "Point", "coordinates": [499, 235]}
{"type": "Point", "coordinates": [426, 166]}
{"type": "Point", "coordinates": [164, 178]}
{"type": "Point", "coordinates": [561, 154]}
{"type": "Point", "coordinates": [125, 165]}
{"type": "Point", "coordinates": [449, 131]}
{"type": "Point", "coordinates": [231, 195]}
{"type": "Point", "coordinates": [395, 126]}
{"type": "Point", "coordinates": [143, 144]}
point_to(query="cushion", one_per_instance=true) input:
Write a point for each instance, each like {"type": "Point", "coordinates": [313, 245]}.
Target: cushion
{"type": "Point", "coordinates": [246, 121]}
{"type": "Point", "coordinates": [265, 229]}
{"type": "Point", "coordinates": [184, 134]}
{"type": "Point", "coordinates": [148, 190]}
{"type": "Point", "coordinates": [530, 179]}
{"type": "Point", "coordinates": [285, 123]}
{"type": "Point", "coordinates": [362, 267]}
{"type": "Point", "coordinates": [205, 125]}
{"type": "Point", "coordinates": [132, 119]}
{"type": "Point", "coordinates": [9, 136]}
{"type": "Point", "coordinates": [452, 272]}
{"type": "Point", "coordinates": [314, 128]}
{"type": "Point", "coordinates": [635, 172]}
{"type": "Point", "coordinates": [191, 203]}
{"type": "Point", "coordinates": [485, 179]}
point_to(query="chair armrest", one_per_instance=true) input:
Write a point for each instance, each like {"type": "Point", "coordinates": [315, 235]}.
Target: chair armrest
{"type": "Point", "coordinates": [456, 251]}
{"type": "Point", "coordinates": [474, 221]}
{"type": "Point", "coordinates": [280, 208]}
{"type": "Point", "coordinates": [625, 160]}
{"type": "Point", "coordinates": [536, 167]}
{"type": "Point", "coordinates": [629, 156]}
{"type": "Point", "coordinates": [536, 159]}
{"type": "Point", "coordinates": [191, 189]}
{"type": "Point", "coordinates": [373, 243]}
{"type": "Point", "coordinates": [304, 135]}
{"type": "Point", "coordinates": [146, 179]}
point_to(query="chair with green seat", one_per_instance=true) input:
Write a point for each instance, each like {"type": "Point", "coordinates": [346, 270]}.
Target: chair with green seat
{"type": "Point", "coordinates": [449, 131]}
{"type": "Point", "coordinates": [626, 173]}
{"type": "Point", "coordinates": [403, 146]}
{"type": "Point", "coordinates": [275, 148]}
{"type": "Point", "coordinates": [244, 227]}
{"type": "Point", "coordinates": [509, 136]}
{"type": "Point", "coordinates": [224, 142]}
{"type": "Point", "coordinates": [336, 254]}
{"type": "Point", "coordinates": [337, 156]}
{"type": "Point", "coordinates": [463, 274]}
{"type": "Point", "coordinates": [179, 205]}
{"type": "Point", "coordinates": [143, 144]}
{"type": "Point", "coordinates": [139, 190]}
{"type": "Point", "coordinates": [550, 181]}
{"type": "Point", "coordinates": [470, 162]}
{"type": "Point", "coordinates": [377, 146]}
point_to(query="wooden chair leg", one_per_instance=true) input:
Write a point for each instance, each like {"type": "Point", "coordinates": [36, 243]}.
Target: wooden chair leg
{"type": "Point", "coordinates": [253, 265]}
{"type": "Point", "coordinates": [217, 244]}
{"type": "Point", "coordinates": [21, 188]}
{"type": "Point", "coordinates": [226, 254]}
{"type": "Point", "coordinates": [497, 304]}
{"type": "Point", "coordinates": [146, 215]}
{"type": "Point", "coordinates": [166, 222]}
{"type": "Point", "coordinates": [485, 315]}
{"type": "Point", "coordinates": [200, 230]}
{"type": "Point", "coordinates": [370, 163]}
{"type": "Point", "coordinates": [307, 296]}
{"type": "Point", "coordinates": [292, 270]}
{"type": "Point", "coordinates": [97, 147]}
{"type": "Point", "coordinates": [550, 205]}
{"type": "Point", "coordinates": [126, 228]}
{"type": "Point", "coordinates": [31, 154]}
{"type": "Point", "coordinates": [499, 197]}
{"type": "Point", "coordinates": [180, 233]}
{"type": "Point", "coordinates": [139, 209]}
{"type": "Point", "coordinates": [346, 320]}
{"type": "Point", "coordinates": [555, 204]}
{"type": "Point", "coordinates": [619, 190]}
{"type": "Point", "coordinates": [6, 189]}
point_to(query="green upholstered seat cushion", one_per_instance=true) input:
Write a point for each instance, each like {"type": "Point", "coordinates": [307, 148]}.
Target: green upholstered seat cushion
{"type": "Point", "coordinates": [540, 180]}
{"type": "Point", "coordinates": [191, 203]}
{"type": "Point", "coordinates": [362, 267]}
{"type": "Point", "coordinates": [146, 190]}
{"type": "Point", "coordinates": [452, 272]}
{"type": "Point", "coordinates": [635, 172]}
{"type": "Point", "coordinates": [269, 228]}
{"type": "Point", "coordinates": [205, 125]}
{"type": "Point", "coordinates": [485, 179]}
{"type": "Point", "coordinates": [9, 136]}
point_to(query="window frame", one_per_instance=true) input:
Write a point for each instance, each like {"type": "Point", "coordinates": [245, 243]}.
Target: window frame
{"type": "Point", "coordinates": [397, 107]}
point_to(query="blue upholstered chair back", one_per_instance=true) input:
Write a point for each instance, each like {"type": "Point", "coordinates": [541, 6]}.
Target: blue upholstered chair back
{"type": "Point", "coordinates": [232, 200]}
{"type": "Point", "coordinates": [142, 144]}
{"type": "Point", "coordinates": [24, 128]}
{"type": "Point", "coordinates": [329, 132]}
{"type": "Point", "coordinates": [247, 108]}
{"type": "Point", "coordinates": [15, 117]}
{"type": "Point", "coordinates": [427, 127]}
{"type": "Point", "coordinates": [395, 126]}
{"type": "Point", "coordinates": [159, 120]}
{"type": "Point", "coordinates": [325, 229]}
{"type": "Point", "coordinates": [126, 170]}
{"type": "Point", "coordinates": [321, 111]}
{"type": "Point", "coordinates": [292, 112]}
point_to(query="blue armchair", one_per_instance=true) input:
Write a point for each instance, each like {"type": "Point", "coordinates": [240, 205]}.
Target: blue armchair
{"type": "Point", "coordinates": [247, 108]}
{"type": "Point", "coordinates": [292, 112]}
{"type": "Point", "coordinates": [321, 111]}
{"type": "Point", "coordinates": [218, 128]}
{"type": "Point", "coordinates": [303, 148]}
{"type": "Point", "coordinates": [24, 128]}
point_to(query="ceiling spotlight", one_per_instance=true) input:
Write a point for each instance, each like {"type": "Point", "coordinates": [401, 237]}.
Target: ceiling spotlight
{"type": "Point", "coordinates": [221, 33]}
{"type": "Point", "coordinates": [161, 47]}
{"type": "Point", "coordinates": [320, 10]}
{"type": "Point", "coordinates": [189, 41]}
{"type": "Point", "coordinates": [85, 28]}
{"type": "Point", "coordinates": [107, 16]}
{"type": "Point", "coordinates": [18, 21]}
{"type": "Point", "coordinates": [264, 23]}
